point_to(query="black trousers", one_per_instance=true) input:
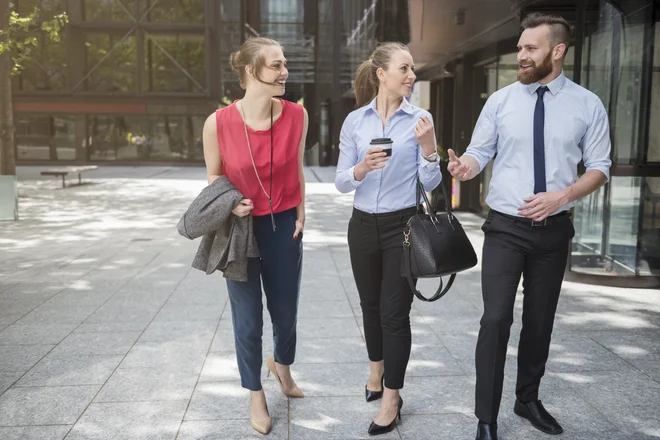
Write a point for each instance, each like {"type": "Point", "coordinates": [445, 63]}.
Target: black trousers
{"type": "Point", "coordinates": [375, 242]}
{"type": "Point", "coordinates": [514, 247]}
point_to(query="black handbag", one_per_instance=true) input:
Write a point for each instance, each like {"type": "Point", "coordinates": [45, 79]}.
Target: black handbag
{"type": "Point", "coordinates": [434, 245]}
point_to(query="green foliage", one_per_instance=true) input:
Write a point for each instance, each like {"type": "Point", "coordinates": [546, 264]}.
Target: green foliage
{"type": "Point", "coordinates": [21, 37]}
{"type": "Point", "coordinates": [444, 156]}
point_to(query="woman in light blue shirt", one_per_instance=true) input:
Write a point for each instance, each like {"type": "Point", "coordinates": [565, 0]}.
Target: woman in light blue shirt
{"type": "Point", "coordinates": [384, 181]}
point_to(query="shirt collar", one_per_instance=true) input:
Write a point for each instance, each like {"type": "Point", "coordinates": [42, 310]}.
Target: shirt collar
{"type": "Point", "coordinates": [553, 86]}
{"type": "Point", "coordinates": [405, 106]}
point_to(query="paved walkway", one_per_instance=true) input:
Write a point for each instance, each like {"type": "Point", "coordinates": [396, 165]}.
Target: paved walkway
{"type": "Point", "coordinates": [106, 333]}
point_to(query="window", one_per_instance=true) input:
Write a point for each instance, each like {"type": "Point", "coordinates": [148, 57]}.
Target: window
{"type": "Point", "coordinates": [230, 10]}
{"type": "Point", "coordinates": [507, 71]}
{"type": "Point", "coordinates": [653, 154]}
{"type": "Point", "coordinates": [110, 10]}
{"type": "Point", "coordinates": [628, 88]}
{"type": "Point", "coordinates": [47, 8]}
{"type": "Point", "coordinates": [174, 63]}
{"type": "Point", "coordinates": [46, 69]}
{"type": "Point", "coordinates": [142, 137]}
{"type": "Point", "coordinates": [172, 11]}
{"type": "Point", "coordinates": [617, 226]}
{"type": "Point", "coordinates": [45, 137]}
{"type": "Point", "coordinates": [111, 62]}
{"type": "Point", "coordinates": [282, 11]}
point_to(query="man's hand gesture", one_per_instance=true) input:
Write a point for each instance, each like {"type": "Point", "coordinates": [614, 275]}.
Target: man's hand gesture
{"type": "Point", "coordinates": [459, 170]}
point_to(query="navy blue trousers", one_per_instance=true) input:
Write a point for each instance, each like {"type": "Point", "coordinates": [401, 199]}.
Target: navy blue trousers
{"type": "Point", "coordinates": [278, 269]}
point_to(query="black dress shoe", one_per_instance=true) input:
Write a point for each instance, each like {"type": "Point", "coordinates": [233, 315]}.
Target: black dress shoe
{"type": "Point", "coordinates": [375, 429]}
{"type": "Point", "coordinates": [486, 431]}
{"type": "Point", "coordinates": [538, 416]}
{"type": "Point", "coordinates": [375, 395]}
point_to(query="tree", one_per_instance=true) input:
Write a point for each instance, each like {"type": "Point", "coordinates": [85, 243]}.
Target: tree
{"type": "Point", "coordinates": [18, 38]}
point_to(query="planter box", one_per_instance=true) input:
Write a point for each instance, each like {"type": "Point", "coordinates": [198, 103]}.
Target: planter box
{"type": "Point", "coordinates": [8, 198]}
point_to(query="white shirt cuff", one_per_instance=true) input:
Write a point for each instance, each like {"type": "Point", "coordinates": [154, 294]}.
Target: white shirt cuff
{"type": "Point", "coordinates": [352, 179]}
{"type": "Point", "coordinates": [428, 164]}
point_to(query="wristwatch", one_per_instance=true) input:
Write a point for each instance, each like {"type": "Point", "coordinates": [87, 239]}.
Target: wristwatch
{"type": "Point", "coordinates": [433, 157]}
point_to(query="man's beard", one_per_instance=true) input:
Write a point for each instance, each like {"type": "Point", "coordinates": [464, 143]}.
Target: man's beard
{"type": "Point", "coordinates": [536, 73]}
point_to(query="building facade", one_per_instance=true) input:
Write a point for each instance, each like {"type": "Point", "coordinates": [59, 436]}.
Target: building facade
{"type": "Point", "coordinates": [132, 81]}
{"type": "Point", "coordinates": [616, 55]}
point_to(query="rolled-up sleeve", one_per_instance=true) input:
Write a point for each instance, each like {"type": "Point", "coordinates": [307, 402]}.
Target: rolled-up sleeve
{"type": "Point", "coordinates": [429, 172]}
{"type": "Point", "coordinates": [348, 158]}
{"type": "Point", "coordinates": [596, 144]}
{"type": "Point", "coordinates": [483, 144]}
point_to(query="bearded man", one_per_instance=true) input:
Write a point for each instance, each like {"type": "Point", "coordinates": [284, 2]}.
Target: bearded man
{"type": "Point", "coordinates": [540, 127]}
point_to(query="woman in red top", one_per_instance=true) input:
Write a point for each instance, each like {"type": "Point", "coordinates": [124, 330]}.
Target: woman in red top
{"type": "Point", "coordinates": [258, 143]}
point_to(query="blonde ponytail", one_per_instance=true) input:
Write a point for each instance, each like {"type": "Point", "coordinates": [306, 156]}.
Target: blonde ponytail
{"type": "Point", "coordinates": [366, 83]}
{"type": "Point", "coordinates": [366, 79]}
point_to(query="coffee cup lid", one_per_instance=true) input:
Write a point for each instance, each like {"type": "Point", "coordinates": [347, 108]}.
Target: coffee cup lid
{"type": "Point", "coordinates": [381, 141]}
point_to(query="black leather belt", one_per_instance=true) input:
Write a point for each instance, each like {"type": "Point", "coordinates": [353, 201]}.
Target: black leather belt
{"type": "Point", "coordinates": [384, 218]}
{"type": "Point", "coordinates": [562, 216]}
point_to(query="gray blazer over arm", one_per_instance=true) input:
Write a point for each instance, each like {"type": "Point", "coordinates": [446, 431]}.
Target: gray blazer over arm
{"type": "Point", "coordinates": [227, 241]}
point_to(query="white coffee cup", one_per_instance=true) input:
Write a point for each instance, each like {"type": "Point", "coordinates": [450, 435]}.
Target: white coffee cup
{"type": "Point", "coordinates": [386, 145]}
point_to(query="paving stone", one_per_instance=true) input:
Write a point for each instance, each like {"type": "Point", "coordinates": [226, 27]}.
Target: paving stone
{"type": "Point", "coordinates": [35, 334]}
{"type": "Point", "coordinates": [44, 405]}
{"type": "Point", "coordinates": [324, 309]}
{"type": "Point", "coordinates": [112, 327]}
{"type": "Point", "coordinates": [130, 420]}
{"type": "Point", "coordinates": [191, 333]}
{"type": "Point", "coordinates": [331, 379]}
{"type": "Point", "coordinates": [57, 370]}
{"type": "Point", "coordinates": [437, 427]}
{"type": "Point", "coordinates": [46, 314]}
{"type": "Point", "coordinates": [228, 400]}
{"type": "Point", "coordinates": [331, 350]}
{"type": "Point", "coordinates": [328, 328]}
{"type": "Point", "coordinates": [146, 384]}
{"type": "Point", "coordinates": [7, 379]}
{"type": "Point", "coordinates": [164, 355]}
{"type": "Point", "coordinates": [188, 312]}
{"type": "Point", "coordinates": [231, 430]}
{"type": "Point", "coordinates": [333, 418]}
{"type": "Point", "coordinates": [20, 358]}
{"type": "Point", "coordinates": [35, 432]}
{"type": "Point", "coordinates": [576, 354]}
{"type": "Point", "coordinates": [78, 343]}
{"type": "Point", "coordinates": [438, 395]}
{"type": "Point", "coordinates": [629, 344]}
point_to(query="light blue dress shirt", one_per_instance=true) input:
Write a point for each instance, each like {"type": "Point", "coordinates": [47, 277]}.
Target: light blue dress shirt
{"type": "Point", "coordinates": [394, 187]}
{"type": "Point", "coordinates": [576, 129]}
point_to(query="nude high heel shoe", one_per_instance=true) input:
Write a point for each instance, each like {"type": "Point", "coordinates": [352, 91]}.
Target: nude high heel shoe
{"type": "Point", "coordinates": [261, 426]}
{"type": "Point", "coordinates": [293, 391]}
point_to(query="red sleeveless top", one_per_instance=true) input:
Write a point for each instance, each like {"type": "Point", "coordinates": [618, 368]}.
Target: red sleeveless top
{"type": "Point", "coordinates": [237, 165]}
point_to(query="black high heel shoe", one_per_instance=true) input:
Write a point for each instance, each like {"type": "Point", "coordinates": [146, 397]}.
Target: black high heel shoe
{"type": "Point", "coordinates": [375, 429]}
{"type": "Point", "coordinates": [375, 395]}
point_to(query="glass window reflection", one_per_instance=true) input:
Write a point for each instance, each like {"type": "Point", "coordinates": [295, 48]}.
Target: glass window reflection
{"type": "Point", "coordinates": [111, 63]}
{"type": "Point", "coordinates": [174, 63]}
{"type": "Point", "coordinates": [45, 137]}
{"type": "Point", "coordinates": [142, 137]}
{"type": "Point", "coordinates": [653, 154]}
{"type": "Point", "coordinates": [172, 11]}
{"type": "Point", "coordinates": [110, 10]}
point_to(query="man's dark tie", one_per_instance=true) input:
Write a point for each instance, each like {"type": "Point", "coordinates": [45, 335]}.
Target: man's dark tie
{"type": "Point", "coordinates": [539, 143]}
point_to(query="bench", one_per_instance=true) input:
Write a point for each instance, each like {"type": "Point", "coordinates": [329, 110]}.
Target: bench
{"type": "Point", "coordinates": [69, 170]}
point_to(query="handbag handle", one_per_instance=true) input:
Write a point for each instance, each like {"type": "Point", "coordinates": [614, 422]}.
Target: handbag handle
{"type": "Point", "coordinates": [438, 293]}
{"type": "Point", "coordinates": [421, 192]}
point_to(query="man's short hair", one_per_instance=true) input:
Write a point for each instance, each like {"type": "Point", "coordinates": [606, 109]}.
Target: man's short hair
{"type": "Point", "coordinates": [560, 30]}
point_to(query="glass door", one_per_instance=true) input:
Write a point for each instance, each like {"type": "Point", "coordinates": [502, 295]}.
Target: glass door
{"type": "Point", "coordinates": [618, 226]}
